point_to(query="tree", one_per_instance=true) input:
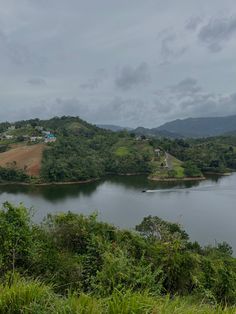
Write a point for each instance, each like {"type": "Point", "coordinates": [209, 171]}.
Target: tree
{"type": "Point", "coordinates": [153, 227]}
{"type": "Point", "coordinates": [15, 237]}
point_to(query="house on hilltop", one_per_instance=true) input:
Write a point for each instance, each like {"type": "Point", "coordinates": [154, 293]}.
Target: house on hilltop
{"type": "Point", "coordinates": [50, 138]}
{"type": "Point", "coordinates": [157, 151]}
{"type": "Point", "coordinates": [8, 137]}
{"type": "Point", "coordinates": [46, 133]}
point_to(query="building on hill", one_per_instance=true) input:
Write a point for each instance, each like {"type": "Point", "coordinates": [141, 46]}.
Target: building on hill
{"type": "Point", "coordinates": [50, 138]}
{"type": "Point", "coordinates": [46, 133]}
{"type": "Point", "coordinates": [8, 137]}
{"type": "Point", "coordinates": [157, 151]}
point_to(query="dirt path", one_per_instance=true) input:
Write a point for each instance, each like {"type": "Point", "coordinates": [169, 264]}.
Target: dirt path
{"type": "Point", "coordinates": [168, 160]}
{"type": "Point", "coordinates": [24, 157]}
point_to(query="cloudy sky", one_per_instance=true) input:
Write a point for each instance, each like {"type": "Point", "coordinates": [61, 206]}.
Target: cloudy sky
{"type": "Point", "coordinates": [120, 62]}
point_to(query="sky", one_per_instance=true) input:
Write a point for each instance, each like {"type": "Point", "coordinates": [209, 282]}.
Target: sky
{"type": "Point", "coordinates": [130, 63]}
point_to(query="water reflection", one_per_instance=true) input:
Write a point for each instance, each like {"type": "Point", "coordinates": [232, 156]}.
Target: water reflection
{"type": "Point", "coordinates": [52, 192]}
{"type": "Point", "coordinates": [140, 183]}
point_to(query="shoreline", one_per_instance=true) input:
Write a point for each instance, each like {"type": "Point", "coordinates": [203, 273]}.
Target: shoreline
{"type": "Point", "coordinates": [219, 173]}
{"type": "Point", "coordinates": [177, 179]}
{"type": "Point", "coordinates": [159, 179]}
{"type": "Point", "coordinates": [49, 183]}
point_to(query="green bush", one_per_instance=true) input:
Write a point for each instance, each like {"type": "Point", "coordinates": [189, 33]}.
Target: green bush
{"type": "Point", "coordinates": [77, 254]}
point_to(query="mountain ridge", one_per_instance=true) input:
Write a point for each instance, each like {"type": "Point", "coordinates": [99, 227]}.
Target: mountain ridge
{"type": "Point", "coordinates": [194, 127]}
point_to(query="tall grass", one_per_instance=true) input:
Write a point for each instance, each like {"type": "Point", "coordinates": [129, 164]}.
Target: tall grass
{"type": "Point", "coordinates": [31, 297]}
{"type": "Point", "coordinates": [35, 298]}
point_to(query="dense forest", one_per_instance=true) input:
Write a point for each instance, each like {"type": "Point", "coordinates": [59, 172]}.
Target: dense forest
{"type": "Point", "coordinates": [82, 151]}
{"type": "Point", "coordinates": [76, 264]}
{"type": "Point", "coordinates": [85, 152]}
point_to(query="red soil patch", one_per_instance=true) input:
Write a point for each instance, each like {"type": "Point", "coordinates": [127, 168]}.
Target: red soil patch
{"type": "Point", "coordinates": [25, 157]}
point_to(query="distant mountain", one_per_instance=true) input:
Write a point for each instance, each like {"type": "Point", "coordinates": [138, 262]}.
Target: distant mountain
{"type": "Point", "coordinates": [114, 128]}
{"type": "Point", "coordinates": [155, 132]}
{"type": "Point", "coordinates": [231, 133]}
{"type": "Point", "coordinates": [201, 127]}
{"type": "Point", "coordinates": [192, 127]}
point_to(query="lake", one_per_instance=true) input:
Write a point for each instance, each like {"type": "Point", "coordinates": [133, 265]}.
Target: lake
{"type": "Point", "coordinates": [206, 209]}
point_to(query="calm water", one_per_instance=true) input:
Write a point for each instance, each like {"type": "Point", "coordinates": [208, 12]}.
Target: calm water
{"type": "Point", "coordinates": [207, 210]}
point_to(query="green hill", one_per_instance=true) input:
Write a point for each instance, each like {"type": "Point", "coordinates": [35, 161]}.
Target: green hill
{"type": "Point", "coordinates": [78, 151]}
{"type": "Point", "coordinates": [81, 151]}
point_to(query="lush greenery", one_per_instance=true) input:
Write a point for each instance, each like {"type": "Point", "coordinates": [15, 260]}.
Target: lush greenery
{"type": "Point", "coordinates": [75, 264]}
{"type": "Point", "coordinates": [216, 155]}
{"type": "Point", "coordinates": [85, 152]}
{"type": "Point", "coordinates": [82, 151]}
{"type": "Point", "coordinates": [33, 297]}
{"type": "Point", "coordinates": [11, 174]}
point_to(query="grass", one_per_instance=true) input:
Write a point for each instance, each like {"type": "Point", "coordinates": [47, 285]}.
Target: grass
{"type": "Point", "coordinates": [33, 297]}
{"type": "Point", "coordinates": [163, 172]}
{"type": "Point", "coordinates": [76, 126]}
{"type": "Point", "coordinates": [122, 151]}
{"type": "Point", "coordinates": [23, 297]}
{"type": "Point", "coordinates": [177, 166]}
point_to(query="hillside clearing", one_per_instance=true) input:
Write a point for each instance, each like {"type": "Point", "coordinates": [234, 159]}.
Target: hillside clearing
{"type": "Point", "coordinates": [24, 157]}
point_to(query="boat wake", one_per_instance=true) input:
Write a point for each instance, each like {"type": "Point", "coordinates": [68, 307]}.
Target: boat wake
{"type": "Point", "coordinates": [193, 189]}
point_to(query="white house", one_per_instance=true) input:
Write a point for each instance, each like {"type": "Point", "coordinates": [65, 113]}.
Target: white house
{"type": "Point", "coordinates": [9, 137]}
{"type": "Point", "coordinates": [46, 133]}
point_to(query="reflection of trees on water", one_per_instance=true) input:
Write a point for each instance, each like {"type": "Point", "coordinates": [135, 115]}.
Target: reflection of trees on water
{"type": "Point", "coordinates": [141, 182]}
{"type": "Point", "coordinates": [59, 192]}
{"type": "Point", "coordinates": [53, 192]}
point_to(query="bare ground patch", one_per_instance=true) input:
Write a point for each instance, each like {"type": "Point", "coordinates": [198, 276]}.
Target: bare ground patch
{"type": "Point", "coordinates": [24, 157]}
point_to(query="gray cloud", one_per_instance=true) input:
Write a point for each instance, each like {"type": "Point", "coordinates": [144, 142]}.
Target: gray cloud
{"type": "Point", "coordinates": [170, 48]}
{"type": "Point", "coordinates": [187, 86]}
{"type": "Point", "coordinates": [37, 81]}
{"type": "Point", "coordinates": [56, 40]}
{"type": "Point", "coordinates": [217, 32]}
{"type": "Point", "coordinates": [187, 99]}
{"type": "Point", "coordinates": [193, 23]}
{"type": "Point", "coordinates": [14, 51]}
{"type": "Point", "coordinates": [90, 84]}
{"type": "Point", "coordinates": [93, 83]}
{"type": "Point", "coordinates": [130, 77]}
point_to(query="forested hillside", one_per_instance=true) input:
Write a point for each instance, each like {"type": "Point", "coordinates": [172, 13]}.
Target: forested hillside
{"type": "Point", "coordinates": [68, 149]}
{"type": "Point", "coordinates": [79, 151]}
{"type": "Point", "coordinates": [84, 152]}
{"type": "Point", "coordinates": [215, 155]}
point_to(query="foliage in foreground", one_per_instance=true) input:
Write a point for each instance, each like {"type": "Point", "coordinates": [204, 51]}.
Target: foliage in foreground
{"type": "Point", "coordinates": [106, 268]}
{"type": "Point", "coordinates": [34, 297]}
